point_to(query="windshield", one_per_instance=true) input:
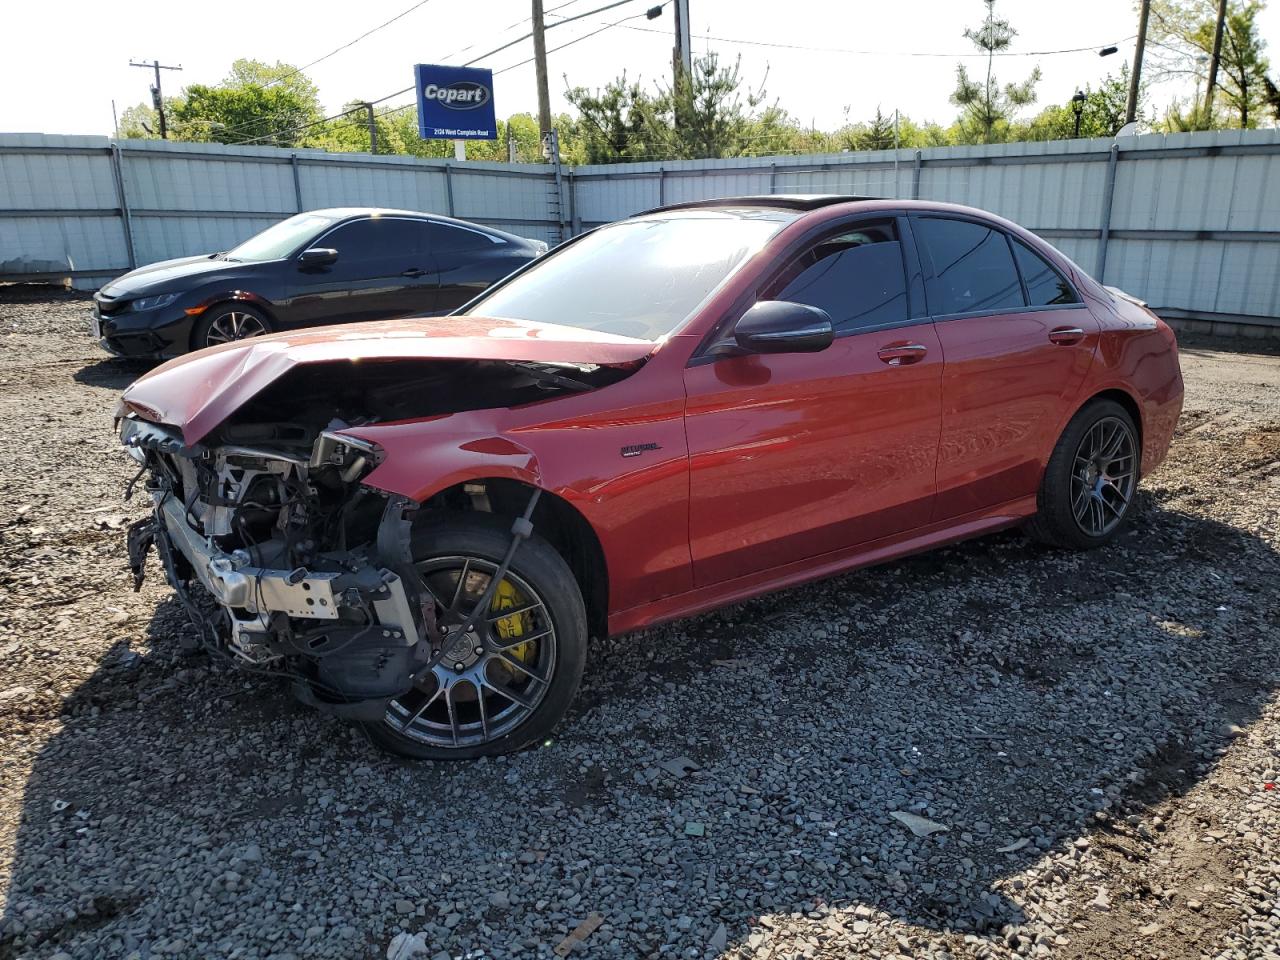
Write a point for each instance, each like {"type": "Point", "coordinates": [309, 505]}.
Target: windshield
{"type": "Point", "coordinates": [638, 278]}
{"type": "Point", "coordinates": [275, 243]}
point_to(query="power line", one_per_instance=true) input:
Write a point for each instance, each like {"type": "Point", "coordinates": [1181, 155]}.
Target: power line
{"type": "Point", "coordinates": [877, 53]}
{"type": "Point", "coordinates": [585, 36]}
{"type": "Point", "coordinates": [349, 43]}
{"type": "Point", "coordinates": [483, 56]}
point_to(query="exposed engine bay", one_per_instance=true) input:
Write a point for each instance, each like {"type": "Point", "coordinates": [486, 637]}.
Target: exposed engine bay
{"type": "Point", "coordinates": [284, 561]}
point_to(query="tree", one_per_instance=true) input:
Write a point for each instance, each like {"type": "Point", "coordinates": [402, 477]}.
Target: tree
{"type": "Point", "coordinates": [273, 104]}
{"type": "Point", "coordinates": [610, 123]}
{"type": "Point", "coordinates": [1101, 114]}
{"type": "Point", "coordinates": [1182, 31]}
{"type": "Point", "coordinates": [705, 113]}
{"type": "Point", "coordinates": [986, 107]}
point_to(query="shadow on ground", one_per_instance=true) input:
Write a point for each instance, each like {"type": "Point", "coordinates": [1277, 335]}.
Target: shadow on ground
{"type": "Point", "coordinates": [1006, 691]}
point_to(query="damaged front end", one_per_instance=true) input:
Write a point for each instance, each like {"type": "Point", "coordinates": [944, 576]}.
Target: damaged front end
{"type": "Point", "coordinates": [286, 558]}
{"type": "Point", "coordinates": [285, 562]}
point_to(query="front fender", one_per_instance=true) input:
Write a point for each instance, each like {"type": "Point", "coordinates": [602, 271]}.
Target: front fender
{"type": "Point", "coordinates": [419, 464]}
{"type": "Point", "coordinates": [224, 294]}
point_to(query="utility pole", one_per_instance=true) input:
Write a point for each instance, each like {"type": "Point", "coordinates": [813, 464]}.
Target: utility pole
{"type": "Point", "coordinates": [157, 96]}
{"type": "Point", "coordinates": [1131, 108]}
{"type": "Point", "coordinates": [682, 56]}
{"type": "Point", "coordinates": [1213, 62]}
{"type": "Point", "coordinates": [540, 69]}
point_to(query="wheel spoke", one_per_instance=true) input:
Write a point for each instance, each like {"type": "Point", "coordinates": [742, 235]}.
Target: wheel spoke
{"type": "Point", "coordinates": [453, 712]}
{"type": "Point", "coordinates": [518, 612]}
{"type": "Point", "coordinates": [1080, 504]}
{"type": "Point", "coordinates": [516, 641]}
{"type": "Point", "coordinates": [425, 704]}
{"type": "Point", "coordinates": [484, 710]}
{"type": "Point", "coordinates": [519, 699]}
{"type": "Point", "coordinates": [515, 664]}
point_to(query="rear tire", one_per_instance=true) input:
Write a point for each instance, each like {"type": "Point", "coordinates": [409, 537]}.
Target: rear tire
{"type": "Point", "coordinates": [1087, 492]}
{"type": "Point", "coordinates": [472, 713]}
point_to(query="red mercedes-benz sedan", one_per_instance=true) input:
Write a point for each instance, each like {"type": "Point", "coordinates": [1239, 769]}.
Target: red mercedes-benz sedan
{"type": "Point", "coordinates": [422, 521]}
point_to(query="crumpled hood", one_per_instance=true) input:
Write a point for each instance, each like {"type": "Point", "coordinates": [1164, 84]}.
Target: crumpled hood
{"type": "Point", "coordinates": [166, 276]}
{"type": "Point", "coordinates": [198, 391]}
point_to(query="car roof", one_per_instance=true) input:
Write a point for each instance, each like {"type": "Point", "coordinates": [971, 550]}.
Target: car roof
{"type": "Point", "coordinates": [779, 201]}
{"type": "Point", "coordinates": [347, 213]}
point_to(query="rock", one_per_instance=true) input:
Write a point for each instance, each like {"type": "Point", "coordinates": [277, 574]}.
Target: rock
{"type": "Point", "coordinates": [719, 940]}
{"type": "Point", "coordinates": [406, 946]}
{"type": "Point", "coordinates": [920, 826]}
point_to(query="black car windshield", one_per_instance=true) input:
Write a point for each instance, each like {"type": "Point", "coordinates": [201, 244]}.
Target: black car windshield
{"type": "Point", "coordinates": [277, 242]}
{"type": "Point", "coordinates": [639, 278]}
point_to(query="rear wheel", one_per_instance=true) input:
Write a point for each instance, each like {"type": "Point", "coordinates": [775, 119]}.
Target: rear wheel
{"type": "Point", "coordinates": [1090, 480]}
{"type": "Point", "coordinates": [506, 682]}
{"type": "Point", "coordinates": [226, 322]}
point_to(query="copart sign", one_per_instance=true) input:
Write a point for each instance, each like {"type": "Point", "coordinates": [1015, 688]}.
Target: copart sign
{"type": "Point", "coordinates": [455, 103]}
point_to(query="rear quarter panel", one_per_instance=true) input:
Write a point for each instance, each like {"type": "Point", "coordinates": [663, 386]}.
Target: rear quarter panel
{"type": "Point", "coordinates": [1138, 354]}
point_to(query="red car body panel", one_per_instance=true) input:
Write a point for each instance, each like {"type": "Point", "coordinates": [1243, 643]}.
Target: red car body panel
{"type": "Point", "coordinates": [758, 472]}
{"type": "Point", "coordinates": [849, 443]}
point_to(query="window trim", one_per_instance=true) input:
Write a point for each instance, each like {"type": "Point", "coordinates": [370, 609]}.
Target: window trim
{"type": "Point", "coordinates": [1026, 291]}
{"type": "Point", "coordinates": [916, 304]}
{"type": "Point", "coordinates": [497, 241]}
{"type": "Point", "coordinates": [925, 256]}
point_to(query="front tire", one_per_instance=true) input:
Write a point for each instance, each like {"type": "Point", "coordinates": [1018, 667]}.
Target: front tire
{"type": "Point", "coordinates": [1090, 481]}
{"type": "Point", "coordinates": [507, 683]}
{"type": "Point", "coordinates": [228, 322]}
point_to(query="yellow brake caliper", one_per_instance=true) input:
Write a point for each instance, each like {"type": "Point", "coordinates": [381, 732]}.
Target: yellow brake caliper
{"type": "Point", "coordinates": [512, 627]}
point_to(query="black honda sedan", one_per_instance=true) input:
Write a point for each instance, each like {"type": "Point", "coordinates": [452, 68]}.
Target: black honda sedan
{"type": "Point", "coordinates": [326, 266]}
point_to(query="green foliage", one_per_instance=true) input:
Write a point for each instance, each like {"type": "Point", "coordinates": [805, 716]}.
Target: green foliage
{"type": "Point", "coordinates": [706, 113]}
{"type": "Point", "coordinates": [273, 104]}
{"type": "Point", "coordinates": [1182, 42]}
{"type": "Point", "coordinates": [1101, 114]}
{"type": "Point", "coordinates": [986, 108]}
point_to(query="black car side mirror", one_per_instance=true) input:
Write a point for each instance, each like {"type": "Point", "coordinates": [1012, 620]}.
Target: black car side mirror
{"type": "Point", "coordinates": [318, 257]}
{"type": "Point", "coordinates": [780, 326]}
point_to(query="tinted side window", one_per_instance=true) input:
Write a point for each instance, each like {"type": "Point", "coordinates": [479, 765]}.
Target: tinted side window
{"type": "Point", "coordinates": [856, 277]}
{"type": "Point", "coordinates": [443, 238]}
{"type": "Point", "coordinates": [374, 240]}
{"type": "Point", "coordinates": [972, 267]}
{"type": "Point", "coordinates": [1045, 285]}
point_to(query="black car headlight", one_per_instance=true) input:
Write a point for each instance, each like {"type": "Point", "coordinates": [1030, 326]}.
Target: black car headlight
{"type": "Point", "coordinates": [153, 303]}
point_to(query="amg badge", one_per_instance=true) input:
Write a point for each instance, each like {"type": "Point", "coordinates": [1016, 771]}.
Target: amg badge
{"type": "Point", "coordinates": [635, 449]}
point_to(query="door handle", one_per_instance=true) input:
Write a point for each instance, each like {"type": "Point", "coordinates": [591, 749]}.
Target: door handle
{"type": "Point", "coordinates": [1066, 335]}
{"type": "Point", "coordinates": [414, 272]}
{"type": "Point", "coordinates": [901, 354]}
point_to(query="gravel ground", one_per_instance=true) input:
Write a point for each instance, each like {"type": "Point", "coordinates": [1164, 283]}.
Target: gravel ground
{"type": "Point", "coordinates": [1097, 734]}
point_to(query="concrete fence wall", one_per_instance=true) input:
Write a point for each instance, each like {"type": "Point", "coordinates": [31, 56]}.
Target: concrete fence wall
{"type": "Point", "coordinates": [1189, 222]}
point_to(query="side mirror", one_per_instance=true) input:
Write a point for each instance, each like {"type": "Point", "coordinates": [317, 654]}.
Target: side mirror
{"type": "Point", "coordinates": [779, 326]}
{"type": "Point", "coordinates": [318, 257]}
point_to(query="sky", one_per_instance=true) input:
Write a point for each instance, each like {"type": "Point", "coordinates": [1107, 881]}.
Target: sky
{"type": "Point", "coordinates": [817, 58]}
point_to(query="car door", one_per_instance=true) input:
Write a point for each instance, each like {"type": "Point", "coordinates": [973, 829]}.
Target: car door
{"type": "Point", "coordinates": [468, 262]}
{"type": "Point", "coordinates": [381, 271]}
{"type": "Point", "coordinates": [797, 455]}
{"type": "Point", "coordinates": [1018, 342]}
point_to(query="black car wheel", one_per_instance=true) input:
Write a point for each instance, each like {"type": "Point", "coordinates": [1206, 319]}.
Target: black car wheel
{"type": "Point", "coordinates": [1091, 479]}
{"type": "Point", "coordinates": [505, 683]}
{"type": "Point", "coordinates": [226, 322]}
